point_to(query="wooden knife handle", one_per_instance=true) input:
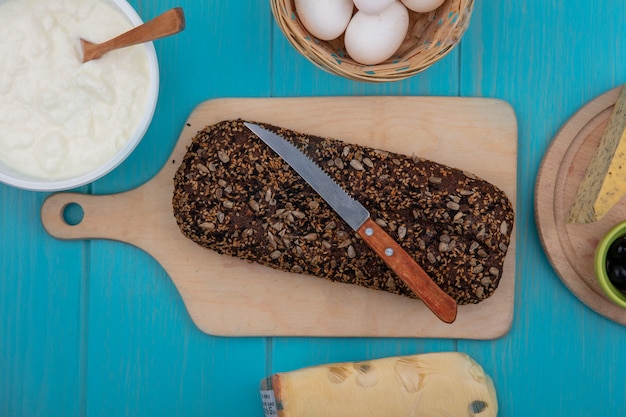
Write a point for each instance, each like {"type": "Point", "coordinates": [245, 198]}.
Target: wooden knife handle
{"type": "Point", "coordinates": [409, 271]}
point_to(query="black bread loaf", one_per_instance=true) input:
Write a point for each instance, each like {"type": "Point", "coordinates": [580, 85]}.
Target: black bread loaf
{"type": "Point", "coordinates": [234, 195]}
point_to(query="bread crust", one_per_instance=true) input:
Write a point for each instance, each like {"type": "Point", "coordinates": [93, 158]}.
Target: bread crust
{"type": "Point", "coordinates": [234, 195]}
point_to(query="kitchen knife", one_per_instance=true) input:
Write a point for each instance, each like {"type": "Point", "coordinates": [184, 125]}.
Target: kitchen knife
{"type": "Point", "coordinates": [358, 218]}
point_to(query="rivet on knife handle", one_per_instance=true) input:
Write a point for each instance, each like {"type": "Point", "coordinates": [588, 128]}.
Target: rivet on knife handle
{"type": "Point", "coordinates": [440, 303]}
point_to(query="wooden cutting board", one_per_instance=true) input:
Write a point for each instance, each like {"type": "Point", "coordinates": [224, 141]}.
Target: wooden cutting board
{"type": "Point", "coordinates": [227, 296]}
{"type": "Point", "coordinates": [571, 247]}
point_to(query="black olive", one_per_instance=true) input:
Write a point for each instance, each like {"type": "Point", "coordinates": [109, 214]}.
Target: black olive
{"type": "Point", "coordinates": [617, 274]}
{"type": "Point", "coordinates": [617, 250]}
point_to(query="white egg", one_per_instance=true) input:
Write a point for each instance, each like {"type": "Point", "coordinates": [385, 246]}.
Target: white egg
{"type": "Point", "coordinates": [325, 19]}
{"type": "Point", "coordinates": [372, 39]}
{"type": "Point", "coordinates": [372, 6]}
{"type": "Point", "coordinates": [422, 6]}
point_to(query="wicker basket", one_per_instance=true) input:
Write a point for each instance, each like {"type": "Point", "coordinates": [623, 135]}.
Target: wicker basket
{"type": "Point", "coordinates": [431, 36]}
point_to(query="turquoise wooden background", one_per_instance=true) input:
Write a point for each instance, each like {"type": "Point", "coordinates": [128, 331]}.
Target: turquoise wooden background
{"type": "Point", "coordinates": [96, 328]}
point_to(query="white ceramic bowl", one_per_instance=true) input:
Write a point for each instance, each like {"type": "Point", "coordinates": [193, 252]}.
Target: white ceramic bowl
{"type": "Point", "coordinates": [14, 178]}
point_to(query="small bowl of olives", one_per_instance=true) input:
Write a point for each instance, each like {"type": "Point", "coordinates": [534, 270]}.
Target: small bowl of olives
{"type": "Point", "coordinates": [610, 264]}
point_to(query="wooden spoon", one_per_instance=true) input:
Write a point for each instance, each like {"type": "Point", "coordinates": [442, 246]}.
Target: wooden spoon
{"type": "Point", "coordinates": [168, 23]}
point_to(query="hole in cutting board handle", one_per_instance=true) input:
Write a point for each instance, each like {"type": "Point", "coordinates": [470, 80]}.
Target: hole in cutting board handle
{"type": "Point", "coordinates": [73, 214]}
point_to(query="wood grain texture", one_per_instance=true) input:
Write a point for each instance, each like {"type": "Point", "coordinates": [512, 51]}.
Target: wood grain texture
{"type": "Point", "coordinates": [571, 247]}
{"type": "Point", "coordinates": [144, 355]}
{"type": "Point", "coordinates": [41, 330]}
{"type": "Point", "coordinates": [546, 74]}
{"type": "Point", "coordinates": [98, 329]}
{"type": "Point", "coordinates": [229, 296]}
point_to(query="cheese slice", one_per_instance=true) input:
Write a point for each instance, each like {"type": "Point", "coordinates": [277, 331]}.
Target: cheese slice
{"type": "Point", "coordinates": [433, 384]}
{"type": "Point", "coordinates": [604, 182]}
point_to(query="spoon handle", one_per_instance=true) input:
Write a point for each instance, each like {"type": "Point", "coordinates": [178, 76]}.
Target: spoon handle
{"type": "Point", "coordinates": [168, 23]}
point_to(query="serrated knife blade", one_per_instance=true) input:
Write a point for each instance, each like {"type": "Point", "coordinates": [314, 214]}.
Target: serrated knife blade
{"type": "Point", "coordinates": [358, 218]}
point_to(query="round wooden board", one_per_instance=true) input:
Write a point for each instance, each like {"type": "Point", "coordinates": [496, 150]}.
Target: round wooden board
{"type": "Point", "coordinates": [570, 247]}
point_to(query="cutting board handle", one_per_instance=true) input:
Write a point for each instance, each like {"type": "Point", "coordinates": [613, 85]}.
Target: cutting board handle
{"type": "Point", "coordinates": [102, 216]}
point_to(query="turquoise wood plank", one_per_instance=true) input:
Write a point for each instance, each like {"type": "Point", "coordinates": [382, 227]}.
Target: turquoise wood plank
{"type": "Point", "coordinates": [293, 75]}
{"type": "Point", "coordinates": [547, 59]}
{"type": "Point", "coordinates": [40, 313]}
{"type": "Point", "coordinates": [217, 55]}
{"type": "Point", "coordinates": [146, 357]}
{"type": "Point", "coordinates": [97, 328]}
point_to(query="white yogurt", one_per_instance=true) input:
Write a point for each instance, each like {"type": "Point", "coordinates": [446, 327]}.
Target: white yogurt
{"type": "Point", "coordinates": [60, 118]}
